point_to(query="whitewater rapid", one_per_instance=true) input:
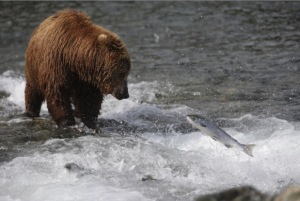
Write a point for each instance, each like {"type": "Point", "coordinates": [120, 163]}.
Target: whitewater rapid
{"type": "Point", "coordinates": [155, 155]}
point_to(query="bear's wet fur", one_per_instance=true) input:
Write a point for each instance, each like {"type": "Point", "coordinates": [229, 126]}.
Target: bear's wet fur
{"type": "Point", "coordinates": [71, 60]}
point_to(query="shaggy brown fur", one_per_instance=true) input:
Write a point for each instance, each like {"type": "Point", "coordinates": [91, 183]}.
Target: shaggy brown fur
{"type": "Point", "coordinates": [70, 60]}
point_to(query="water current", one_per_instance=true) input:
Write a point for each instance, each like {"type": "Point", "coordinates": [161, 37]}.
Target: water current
{"type": "Point", "coordinates": [235, 62]}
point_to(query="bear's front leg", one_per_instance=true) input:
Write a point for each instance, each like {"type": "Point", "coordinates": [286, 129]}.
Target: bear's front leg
{"type": "Point", "coordinates": [87, 102]}
{"type": "Point", "coordinates": [88, 110]}
{"type": "Point", "coordinates": [60, 109]}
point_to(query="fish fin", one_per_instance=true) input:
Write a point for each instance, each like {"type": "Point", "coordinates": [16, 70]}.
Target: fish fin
{"type": "Point", "coordinates": [214, 138]}
{"type": "Point", "coordinates": [248, 149]}
{"type": "Point", "coordinates": [203, 125]}
{"type": "Point", "coordinates": [228, 146]}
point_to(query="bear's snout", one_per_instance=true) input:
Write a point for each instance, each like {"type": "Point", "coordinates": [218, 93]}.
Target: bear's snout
{"type": "Point", "coordinates": [121, 93]}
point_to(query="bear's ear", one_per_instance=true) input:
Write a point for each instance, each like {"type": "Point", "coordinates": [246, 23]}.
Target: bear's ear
{"type": "Point", "coordinates": [102, 37]}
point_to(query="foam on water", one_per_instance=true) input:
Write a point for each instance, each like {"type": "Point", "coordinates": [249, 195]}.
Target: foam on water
{"type": "Point", "coordinates": [158, 164]}
{"type": "Point", "coordinates": [140, 92]}
{"type": "Point", "coordinates": [14, 86]}
{"type": "Point", "coordinates": [274, 164]}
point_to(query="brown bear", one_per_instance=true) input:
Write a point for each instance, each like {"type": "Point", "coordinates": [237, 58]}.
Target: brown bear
{"type": "Point", "coordinates": [71, 61]}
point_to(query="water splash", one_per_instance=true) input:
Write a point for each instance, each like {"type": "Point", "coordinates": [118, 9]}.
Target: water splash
{"type": "Point", "coordinates": [158, 157]}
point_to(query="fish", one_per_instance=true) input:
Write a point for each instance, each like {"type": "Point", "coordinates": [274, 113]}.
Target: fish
{"type": "Point", "coordinates": [212, 130]}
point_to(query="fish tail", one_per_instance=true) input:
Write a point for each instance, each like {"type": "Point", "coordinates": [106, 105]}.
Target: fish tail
{"type": "Point", "coordinates": [248, 149]}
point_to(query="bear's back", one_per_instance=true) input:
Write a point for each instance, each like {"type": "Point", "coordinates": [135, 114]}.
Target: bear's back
{"type": "Point", "coordinates": [66, 24]}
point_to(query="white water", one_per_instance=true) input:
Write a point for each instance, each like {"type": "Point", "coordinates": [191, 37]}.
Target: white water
{"type": "Point", "coordinates": [182, 165]}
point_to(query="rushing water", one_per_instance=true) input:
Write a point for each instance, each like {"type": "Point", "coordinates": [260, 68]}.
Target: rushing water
{"type": "Point", "coordinates": [237, 63]}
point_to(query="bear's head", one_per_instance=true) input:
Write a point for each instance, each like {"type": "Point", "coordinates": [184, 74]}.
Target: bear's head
{"type": "Point", "coordinates": [116, 65]}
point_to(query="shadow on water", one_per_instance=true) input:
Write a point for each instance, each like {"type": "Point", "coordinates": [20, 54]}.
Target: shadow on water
{"type": "Point", "coordinates": [23, 130]}
{"type": "Point", "coordinates": [20, 132]}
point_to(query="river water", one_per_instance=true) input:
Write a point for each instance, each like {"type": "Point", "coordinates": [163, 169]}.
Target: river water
{"type": "Point", "coordinates": [237, 63]}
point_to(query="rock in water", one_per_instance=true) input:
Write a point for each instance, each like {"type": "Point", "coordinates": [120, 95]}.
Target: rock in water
{"type": "Point", "coordinates": [290, 194]}
{"type": "Point", "coordinates": [248, 193]}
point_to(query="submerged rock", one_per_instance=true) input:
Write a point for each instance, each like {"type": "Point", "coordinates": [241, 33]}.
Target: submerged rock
{"type": "Point", "coordinates": [245, 193]}
{"type": "Point", "coordinates": [72, 167]}
{"type": "Point", "coordinates": [148, 178]}
{"type": "Point", "coordinates": [248, 193]}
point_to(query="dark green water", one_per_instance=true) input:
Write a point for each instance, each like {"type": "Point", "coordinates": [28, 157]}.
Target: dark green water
{"type": "Point", "coordinates": [233, 58]}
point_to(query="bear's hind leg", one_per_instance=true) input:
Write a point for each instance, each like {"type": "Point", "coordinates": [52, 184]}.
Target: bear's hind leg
{"type": "Point", "coordinates": [59, 106]}
{"type": "Point", "coordinates": [33, 101]}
